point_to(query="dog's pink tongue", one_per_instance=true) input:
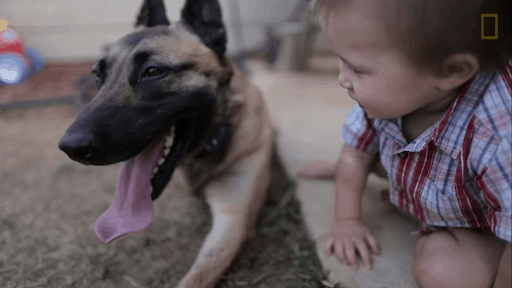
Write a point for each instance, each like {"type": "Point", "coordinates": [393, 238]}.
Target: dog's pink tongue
{"type": "Point", "coordinates": [132, 209]}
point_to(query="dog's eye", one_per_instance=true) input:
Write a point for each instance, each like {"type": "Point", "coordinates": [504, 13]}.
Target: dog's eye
{"type": "Point", "coordinates": [98, 77]}
{"type": "Point", "coordinates": [154, 71]}
{"type": "Point", "coordinates": [98, 72]}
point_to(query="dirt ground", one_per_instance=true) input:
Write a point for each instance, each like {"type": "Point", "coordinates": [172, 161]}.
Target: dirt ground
{"type": "Point", "coordinates": [49, 204]}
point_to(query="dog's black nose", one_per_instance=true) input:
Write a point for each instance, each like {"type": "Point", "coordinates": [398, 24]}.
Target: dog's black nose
{"type": "Point", "coordinates": [78, 146]}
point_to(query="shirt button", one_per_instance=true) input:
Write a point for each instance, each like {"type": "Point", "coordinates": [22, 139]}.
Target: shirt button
{"type": "Point", "coordinates": [399, 189]}
{"type": "Point", "coordinates": [403, 155]}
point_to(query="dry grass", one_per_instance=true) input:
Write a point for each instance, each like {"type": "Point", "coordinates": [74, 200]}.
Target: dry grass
{"type": "Point", "coordinates": [48, 205]}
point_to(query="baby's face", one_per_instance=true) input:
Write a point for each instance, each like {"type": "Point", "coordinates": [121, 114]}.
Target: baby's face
{"type": "Point", "coordinates": [376, 75]}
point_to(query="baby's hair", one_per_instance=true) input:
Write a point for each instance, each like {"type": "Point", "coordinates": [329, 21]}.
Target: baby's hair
{"type": "Point", "coordinates": [428, 31]}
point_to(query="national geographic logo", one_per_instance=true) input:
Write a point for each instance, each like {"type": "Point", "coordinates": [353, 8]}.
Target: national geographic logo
{"type": "Point", "coordinates": [482, 24]}
{"type": "Point", "coordinates": [3, 25]}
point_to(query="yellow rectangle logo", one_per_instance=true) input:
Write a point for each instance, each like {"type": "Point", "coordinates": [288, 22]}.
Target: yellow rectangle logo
{"type": "Point", "coordinates": [495, 16]}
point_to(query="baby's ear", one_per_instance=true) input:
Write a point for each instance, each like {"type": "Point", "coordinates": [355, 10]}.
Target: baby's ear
{"type": "Point", "coordinates": [152, 13]}
{"type": "Point", "coordinates": [204, 17]}
{"type": "Point", "coordinates": [456, 70]}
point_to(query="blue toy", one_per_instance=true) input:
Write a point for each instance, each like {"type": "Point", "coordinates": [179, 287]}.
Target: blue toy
{"type": "Point", "coordinates": [17, 62]}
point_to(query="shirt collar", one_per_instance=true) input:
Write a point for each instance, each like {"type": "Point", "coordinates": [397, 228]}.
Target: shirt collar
{"type": "Point", "coordinates": [447, 133]}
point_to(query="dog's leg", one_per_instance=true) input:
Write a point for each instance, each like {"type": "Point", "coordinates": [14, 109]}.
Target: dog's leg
{"type": "Point", "coordinates": [235, 200]}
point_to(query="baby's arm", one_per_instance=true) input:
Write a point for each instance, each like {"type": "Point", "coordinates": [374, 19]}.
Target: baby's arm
{"type": "Point", "coordinates": [350, 234]}
{"type": "Point", "coordinates": [352, 171]}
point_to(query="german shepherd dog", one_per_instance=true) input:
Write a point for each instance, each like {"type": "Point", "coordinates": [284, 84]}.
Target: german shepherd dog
{"type": "Point", "coordinates": [169, 99]}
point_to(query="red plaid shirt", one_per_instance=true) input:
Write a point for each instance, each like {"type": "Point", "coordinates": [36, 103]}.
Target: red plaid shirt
{"type": "Point", "coordinates": [458, 172]}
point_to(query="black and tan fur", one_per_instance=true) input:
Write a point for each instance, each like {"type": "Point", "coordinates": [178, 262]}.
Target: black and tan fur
{"type": "Point", "coordinates": [229, 153]}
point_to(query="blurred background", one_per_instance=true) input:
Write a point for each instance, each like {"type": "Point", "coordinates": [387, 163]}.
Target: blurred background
{"type": "Point", "coordinates": [68, 35]}
{"type": "Point", "coordinates": [74, 29]}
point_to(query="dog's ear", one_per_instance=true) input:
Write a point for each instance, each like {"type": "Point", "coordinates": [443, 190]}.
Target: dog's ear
{"type": "Point", "coordinates": [204, 17]}
{"type": "Point", "coordinates": [152, 13]}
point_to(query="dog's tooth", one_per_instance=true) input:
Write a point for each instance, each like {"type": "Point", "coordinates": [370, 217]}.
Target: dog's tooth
{"type": "Point", "coordinates": [169, 140]}
{"type": "Point", "coordinates": [155, 170]}
{"type": "Point", "coordinates": [166, 151]}
{"type": "Point", "coordinates": [161, 161]}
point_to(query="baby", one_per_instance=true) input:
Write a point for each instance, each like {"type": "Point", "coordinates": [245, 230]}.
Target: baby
{"type": "Point", "coordinates": [434, 106]}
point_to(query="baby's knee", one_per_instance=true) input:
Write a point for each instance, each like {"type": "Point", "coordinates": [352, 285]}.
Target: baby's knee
{"type": "Point", "coordinates": [441, 264]}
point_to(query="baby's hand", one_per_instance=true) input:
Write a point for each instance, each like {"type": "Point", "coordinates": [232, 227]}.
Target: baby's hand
{"type": "Point", "coordinates": [349, 236]}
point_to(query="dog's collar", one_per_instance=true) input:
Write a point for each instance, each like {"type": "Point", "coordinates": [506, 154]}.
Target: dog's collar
{"type": "Point", "coordinates": [217, 141]}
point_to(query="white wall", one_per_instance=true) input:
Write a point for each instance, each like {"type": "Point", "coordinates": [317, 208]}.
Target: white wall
{"type": "Point", "coordinates": [75, 29]}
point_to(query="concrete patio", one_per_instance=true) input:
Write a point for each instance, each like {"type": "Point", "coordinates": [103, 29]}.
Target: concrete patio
{"type": "Point", "coordinates": [309, 110]}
